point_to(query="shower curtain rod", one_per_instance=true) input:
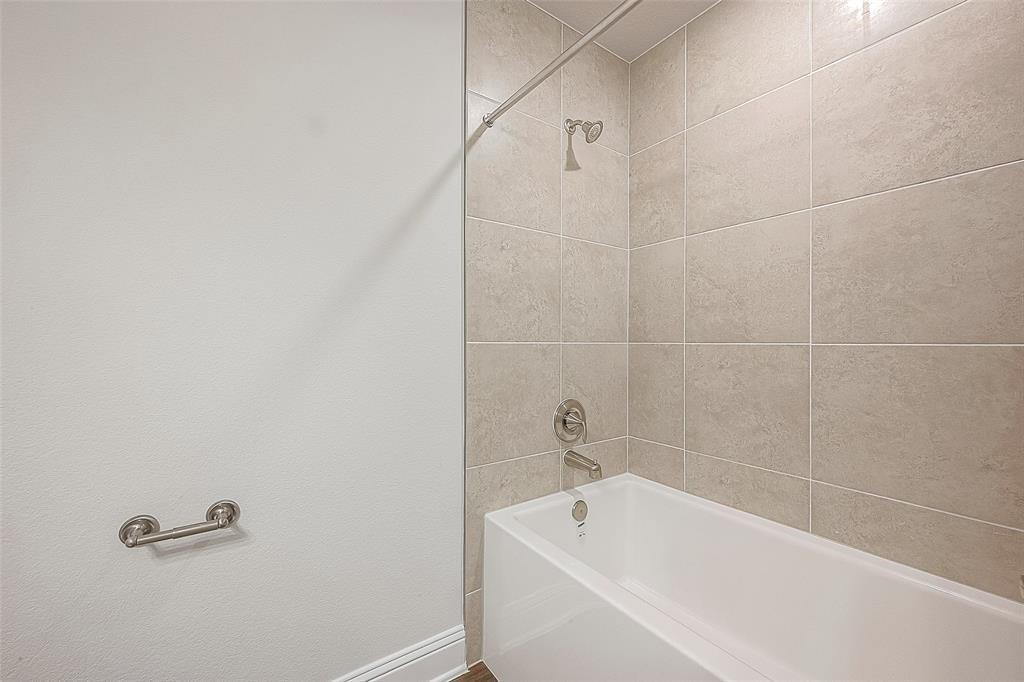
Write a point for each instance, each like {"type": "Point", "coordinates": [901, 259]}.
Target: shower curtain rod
{"type": "Point", "coordinates": [599, 28]}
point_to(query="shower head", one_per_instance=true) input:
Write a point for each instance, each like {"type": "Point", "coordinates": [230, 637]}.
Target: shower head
{"type": "Point", "coordinates": [591, 129]}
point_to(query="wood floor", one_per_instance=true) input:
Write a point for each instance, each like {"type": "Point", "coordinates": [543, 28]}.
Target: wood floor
{"type": "Point", "coordinates": [478, 673]}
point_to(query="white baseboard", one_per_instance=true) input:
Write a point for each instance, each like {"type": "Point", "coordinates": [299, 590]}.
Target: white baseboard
{"type": "Point", "coordinates": [437, 659]}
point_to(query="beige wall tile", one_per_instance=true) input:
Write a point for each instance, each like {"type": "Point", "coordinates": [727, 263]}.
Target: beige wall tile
{"type": "Point", "coordinates": [657, 93]}
{"type": "Point", "coordinates": [740, 49]}
{"type": "Point", "coordinates": [658, 463]}
{"type": "Point", "coordinates": [610, 454]}
{"type": "Point", "coordinates": [656, 292]}
{"type": "Point", "coordinates": [840, 27]}
{"type": "Point", "coordinates": [770, 495]}
{"type": "Point", "coordinates": [507, 43]}
{"type": "Point", "coordinates": [941, 98]}
{"type": "Point", "coordinates": [935, 263]}
{"type": "Point", "coordinates": [497, 486]}
{"type": "Point", "coordinates": [749, 404]}
{"type": "Point", "coordinates": [512, 283]}
{"type": "Point", "coordinates": [511, 392]}
{"type": "Point", "coordinates": [751, 162]}
{"type": "Point", "coordinates": [750, 283]}
{"type": "Point", "coordinates": [595, 86]}
{"type": "Point", "coordinates": [595, 374]}
{"type": "Point", "coordinates": [656, 393]}
{"type": "Point", "coordinates": [938, 426]}
{"type": "Point", "coordinates": [512, 169]}
{"type": "Point", "coordinates": [978, 554]}
{"type": "Point", "coordinates": [593, 292]}
{"type": "Point", "coordinates": [657, 190]}
{"type": "Point", "coordinates": [595, 196]}
{"type": "Point", "coordinates": [473, 617]}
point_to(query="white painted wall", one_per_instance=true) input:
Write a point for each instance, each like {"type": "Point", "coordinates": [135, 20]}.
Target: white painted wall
{"type": "Point", "coordinates": [231, 268]}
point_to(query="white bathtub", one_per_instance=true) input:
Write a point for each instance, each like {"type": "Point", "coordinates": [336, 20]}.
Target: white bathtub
{"type": "Point", "coordinates": [668, 586]}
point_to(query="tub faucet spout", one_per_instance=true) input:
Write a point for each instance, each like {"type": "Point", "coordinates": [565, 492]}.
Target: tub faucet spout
{"type": "Point", "coordinates": [578, 461]}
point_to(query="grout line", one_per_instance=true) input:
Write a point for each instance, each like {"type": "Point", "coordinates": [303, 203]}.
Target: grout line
{"type": "Point", "coordinates": [810, 265]}
{"type": "Point", "coordinates": [751, 100]}
{"type": "Point", "coordinates": [752, 466]}
{"type": "Point", "coordinates": [513, 343]}
{"type": "Point", "coordinates": [549, 343]}
{"type": "Point", "coordinates": [750, 343]}
{"type": "Point", "coordinates": [654, 442]}
{"type": "Point", "coordinates": [557, 450]}
{"type": "Point", "coordinates": [811, 72]}
{"type": "Point", "coordinates": [686, 103]}
{"type": "Point", "coordinates": [920, 506]}
{"type": "Point", "coordinates": [650, 146]}
{"type": "Point", "coordinates": [576, 30]}
{"type": "Point", "coordinates": [629, 235]}
{"type": "Point", "coordinates": [819, 344]}
{"type": "Point", "coordinates": [561, 244]}
{"type": "Point", "coordinates": [841, 487]}
{"type": "Point", "coordinates": [702, 13]}
{"type": "Point", "coordinates": [839, 201]}
{"type": "Point", "coordinates": [670, 239]}
{"type": "Point", "coordinates": [919, 183]}
{"type": "Point", "coordinates": [746, 222]}
{"type": "Point", "coordinates": [882, 40]}
{"type": "Point", "coordinates": [550, 234]}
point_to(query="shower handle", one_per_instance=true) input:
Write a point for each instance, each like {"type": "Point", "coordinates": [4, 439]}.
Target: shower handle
{"type": "Point", "coordinates": [570, 422]}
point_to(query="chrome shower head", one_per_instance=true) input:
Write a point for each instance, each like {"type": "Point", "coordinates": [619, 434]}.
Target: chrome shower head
{"type": "Point", "coordinates": [591, 129]}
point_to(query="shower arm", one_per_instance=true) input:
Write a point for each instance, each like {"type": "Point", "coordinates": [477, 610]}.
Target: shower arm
{"type": "Point", "coordinates": [599, 28]}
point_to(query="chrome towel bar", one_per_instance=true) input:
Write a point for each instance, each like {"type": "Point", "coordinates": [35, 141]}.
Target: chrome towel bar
{"type": "Point", "coordinates": [145, 530]}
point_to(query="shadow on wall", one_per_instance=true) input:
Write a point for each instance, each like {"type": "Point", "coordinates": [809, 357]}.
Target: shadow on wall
{"type": "Point", "coordinates": [571, 164]}
{"type": "Point", "coordinates": [360, 279]}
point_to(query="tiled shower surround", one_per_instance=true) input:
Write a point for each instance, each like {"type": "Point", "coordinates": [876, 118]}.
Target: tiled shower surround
{"type": "Point", "coordinates": [546, 265]}
{"type": "Point", "coordinates": [827, 273]}
{"type": "Point", "coordinates": [817, 211]}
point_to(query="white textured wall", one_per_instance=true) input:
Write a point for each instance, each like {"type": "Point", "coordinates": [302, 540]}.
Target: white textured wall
{"type": "Point", "coordinates": [231, 268]}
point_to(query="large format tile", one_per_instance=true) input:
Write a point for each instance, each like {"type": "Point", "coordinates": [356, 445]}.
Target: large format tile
{"type": "Point", "coordinates": [595, 193]}
{"type": "Point", "coordinates": [751, 162]}
{"type": "Point", "coordinates": [938, 426]}
{"type": "Point", "coordinates": [750, 283]}
{"type": "Point", "coordinates": [749, 404]}
{"type": "Point", "coordinates": [656, 292]}
{"type": "Point", "coordinates": [657, 190]}
{"type": "Point", "coordinates": [657, 93]}
{"type": "Point", "coordinates": [658, 463]}
{"type": "Point", "coordinates": [840, 27]}
{"type": "Point", "coordinates": [473, 617]}
{"type": "Point", "coordinates": [512, 283]}
{"type": "Point", "coordinates": [942, 98]}
{"type": "Point", "coordinates": [511, 392]}
{"type": "Point", "coordinates": [656, 392]}
{"type": "Point", "coordinates": [507, 43]}
{"type": "Point", "coordinates": [500, 485]}
{"type": "Point", "coordinates": [512, 169]}
{"type": "Point", "coordinates": [595, 86]}
{"type": "Point", "coordinates": [978, 554]}
{"type": "Point", "coordinates": [936, 263]}
{"type": "Point", "coordinates": [740, 49]}
{"type": "Point", "coordinates": [610, 454]}
{"type": "Point", "coordinates": [595, 374]}
{"type": "Point", "coordinates": [593, 292]}
{"type": "Point", "coordinates": [770, 495]}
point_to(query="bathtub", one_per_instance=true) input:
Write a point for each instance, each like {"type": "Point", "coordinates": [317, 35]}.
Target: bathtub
{"type": "Point", "coordinates": [661, 585]}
